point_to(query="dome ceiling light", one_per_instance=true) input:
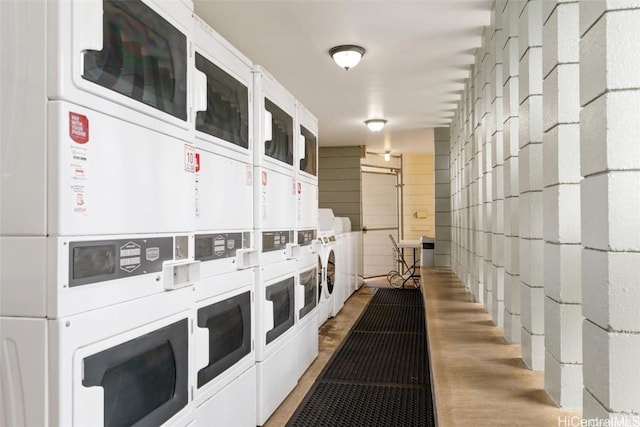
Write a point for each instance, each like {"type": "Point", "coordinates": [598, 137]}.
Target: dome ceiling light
{"type": "Point", "coordinates": [347, 55]}
{"type": "Point", "coordinates": [375, 125]}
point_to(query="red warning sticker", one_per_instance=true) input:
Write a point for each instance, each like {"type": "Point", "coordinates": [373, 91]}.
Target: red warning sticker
{"type": "Point", "coordinates": [78, 128]}
{"type": "Point", "coordinates": [264, 177]}
{"type": "Point", "coordinates": [197, 162]}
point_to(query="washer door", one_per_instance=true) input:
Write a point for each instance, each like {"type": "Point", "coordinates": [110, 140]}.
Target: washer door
{"type": "Point", "coordinates": [331, 272]}
{"type": "Point", "coordinates": [320, 278]}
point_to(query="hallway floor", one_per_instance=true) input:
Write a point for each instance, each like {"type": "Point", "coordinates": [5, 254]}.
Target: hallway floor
{"type": "Point", "coordinates": [479, 379]}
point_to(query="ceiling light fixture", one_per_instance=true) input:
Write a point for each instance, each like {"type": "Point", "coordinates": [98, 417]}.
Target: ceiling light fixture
{"type": "Point", "coordinates": [387, 156]}
{"type": "Point", "coordinates": [347, 55]}
{"type": "Point", "coordinates": [375, 125]}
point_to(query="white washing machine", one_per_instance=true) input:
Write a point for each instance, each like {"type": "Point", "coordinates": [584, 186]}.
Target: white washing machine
{"type": "Point", "coordinates": [119, 365]}
{"type": "Point", "coordinates": [276, 353]}
{"type": "Point", "coordinates": [341, 284]}
{"type": "Point", "coordinates": [275, 185]}
{"type": "Point", "coordinates": [326, 276]}
{"type": "Point", "coordinates": [306, 311]}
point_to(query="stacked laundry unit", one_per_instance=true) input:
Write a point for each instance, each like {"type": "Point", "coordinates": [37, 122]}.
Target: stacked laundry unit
{"type": "Point", "coordinates": [97, 214]}
{"type": "Point", "coordinates": [224, 363]}
{"type": "Point", "coordinates": [274, 222]}
{"type": "Point", "coordinates": [306, 235]}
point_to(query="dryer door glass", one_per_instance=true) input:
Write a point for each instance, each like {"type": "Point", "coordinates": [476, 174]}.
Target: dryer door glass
{"type": "Point", "coordinates": [309, 281]}
{"type": "Point", "coordinates": [331, 271]}
{"type": "Point", "coordinates": [227, 114]}
{"type": "Point", "coordinates": [309, 163]}
{"type": "Point", "coordinates": [229, 324]}
{"type": "Point", "coordinates": [143, 57]}
{"type": "Point", "coordinates": [144, 380]}
{"type": "Point", "coordinates": [282, 295]}
{"type": "Point", "coordinates": [280, 146]}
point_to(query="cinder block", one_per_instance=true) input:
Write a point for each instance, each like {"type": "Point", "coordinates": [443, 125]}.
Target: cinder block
{"type": "Point", "coordinates": [535, 214]}
{"type": "Point", "coordinates": [510, 20]}
{"type": "Point", "coordinates": [530, 22]}
{"type": "Point", "coordinates": [561, 35]}
{"type": "Point", "coordinates": [563, 383]}
{"type": "Point", "coordinates": [497, 182]}
{"type": "Point", "coordinates": [561, 155]}
{"type": "Point", "coordinates": [497, 313]}
{"type": "Point", "coordinates": [532, 350]}
{"type": "Point", "coordinates": [488, 300]}
{"type": "Point", "coordinates": [592, 10]}
{"type": "Point", "coordinates": [511, 183]}
{"type": "Point", "coordinates": [605, 63]}
{"type": "Point", "coordinates": [510, 137]}
{"type": "Point", "coordinates": [443, 219]}
{"type": "Point", "coordinates": [512, 293]}
{"type": "Point", "coordinates": [442, 134]}
{"type": "Point", "coordinates": [442, 190]}
{"type": "Point", "coordinates": [497, 156]}
{"type": "Point", "coordinates": [530, 73]}
{"type": "Point", "coordinates": [562, 95]}
{"type": "Point", "coordinates": [441, 176]}
{"type": "Point", "coordinates": [613, 307]}
{"type": "Point", "coordinates": [510, 99]}
{"type": "Point", "coordinates": [532, 306]}
{"type": "Point", "coordinates": [610, 367]}
{"type": "Point", "coordinates": [563, 330]}
{"type": "Point", "coordinates": [536, 260]}
{"type": "Point", "coordinates": [524, 209]}
{"type": "Point", "coordinates": [610, 133]}
{"type": "Point", "coordinates": [561, 208]}
{"type": "Point", "coordinates": [441, 162]}
{"type": "Point", "coordinates": [510, 67]}
{"type": "Point", "coordinates": [610, 218]}
{"type": "Point", "coordinates": [512, 327]}
{"type": "Point", "coordinates": [443, 204]}
{"type": "Point", "coordinates": [563, 272]}
{"type": "Point", "coordinates": [531, 168]}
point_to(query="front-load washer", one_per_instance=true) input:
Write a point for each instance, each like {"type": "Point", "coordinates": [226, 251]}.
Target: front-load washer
{"type": "Point", "coordinates": [275, 186]}
{"type": "Point", "coordinates": [124, 364]}
{"type": "Point", "coordinates": [224, 373]}
{"type": "Point", "coordinates": [276, 353]}
{"type": "Point", "coordinates": [327, 277]}
{"type": "Point", "coordinates": [306, 311]}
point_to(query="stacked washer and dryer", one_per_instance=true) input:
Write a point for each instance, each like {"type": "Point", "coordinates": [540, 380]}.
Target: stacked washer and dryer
{"type": "Point", "coordinates": [97, 235]}
{"type": "Point", "coordinates": [161, 259]}
{"type": "Point", "coordinates": [224, 363]}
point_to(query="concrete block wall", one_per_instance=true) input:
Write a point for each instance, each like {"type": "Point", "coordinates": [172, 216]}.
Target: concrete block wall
{"type": "Point", "coordinates": [610, 203]}
{"type": "Point", "coordinates": [511, 131]}
{"type": "Point", "coordinates": [572, 94]}
{"type": "Point", "coordinates": [561, 194]}
{"type": "Point", "coordinates": [529, 99]}
{"type": "Point", "coordinates": [442, 254]}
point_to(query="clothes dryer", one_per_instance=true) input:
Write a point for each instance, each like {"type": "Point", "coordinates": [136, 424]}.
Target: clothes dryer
{"type": "Point", "coordinates": [276, 352]}
{"type": "Point", "coordinates": [326, 276]}
{"type": "Point", "coordinates": [108, 145]}
{"type": "Point", "coordinates": [122, 364]}
{"type": "Point", "coordinates": [275, 186]}
{"type": "Point", "coordinates": [306, 170]}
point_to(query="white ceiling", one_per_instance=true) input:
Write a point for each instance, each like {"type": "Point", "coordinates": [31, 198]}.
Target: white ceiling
{"type": "Point", "coordinates": [418, 57]}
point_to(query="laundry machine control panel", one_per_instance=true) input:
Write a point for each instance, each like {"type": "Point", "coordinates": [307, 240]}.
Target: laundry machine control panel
{"type": "Point", "coordinates": [306, 237]}
{"type": "Point", "coordinates": [220, 245]}
{"type": "Point", "coordinates": [102, 260]}
{"type": "Point", "coordinates": [276, 240]}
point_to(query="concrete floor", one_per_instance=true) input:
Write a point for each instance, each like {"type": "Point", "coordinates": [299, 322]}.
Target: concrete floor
{"type": "Point", "coordinates": [479, 379]}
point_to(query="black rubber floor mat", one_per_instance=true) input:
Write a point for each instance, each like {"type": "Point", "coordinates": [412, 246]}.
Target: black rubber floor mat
{"type": "Point", "coordinates": [358, 405]}
{"type": "Point", "coordinates": [403, 297]}
{"type": "Point", "coordinates": [392, 318]}
{"type": "Point", "coordinates": [375, 358]}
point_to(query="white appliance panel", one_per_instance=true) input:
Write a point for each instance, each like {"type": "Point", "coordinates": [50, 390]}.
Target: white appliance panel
{"type": "Point", "coordinates": [275, 200]}
{"type": "Point", "coordinates": [307, 205]}
{"type": "Point", "coordinates": [123, 179]}
{"type": "Point", "coordinates": [224, 189]}
{"type": "Point", "coordinates": [310, 123]}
